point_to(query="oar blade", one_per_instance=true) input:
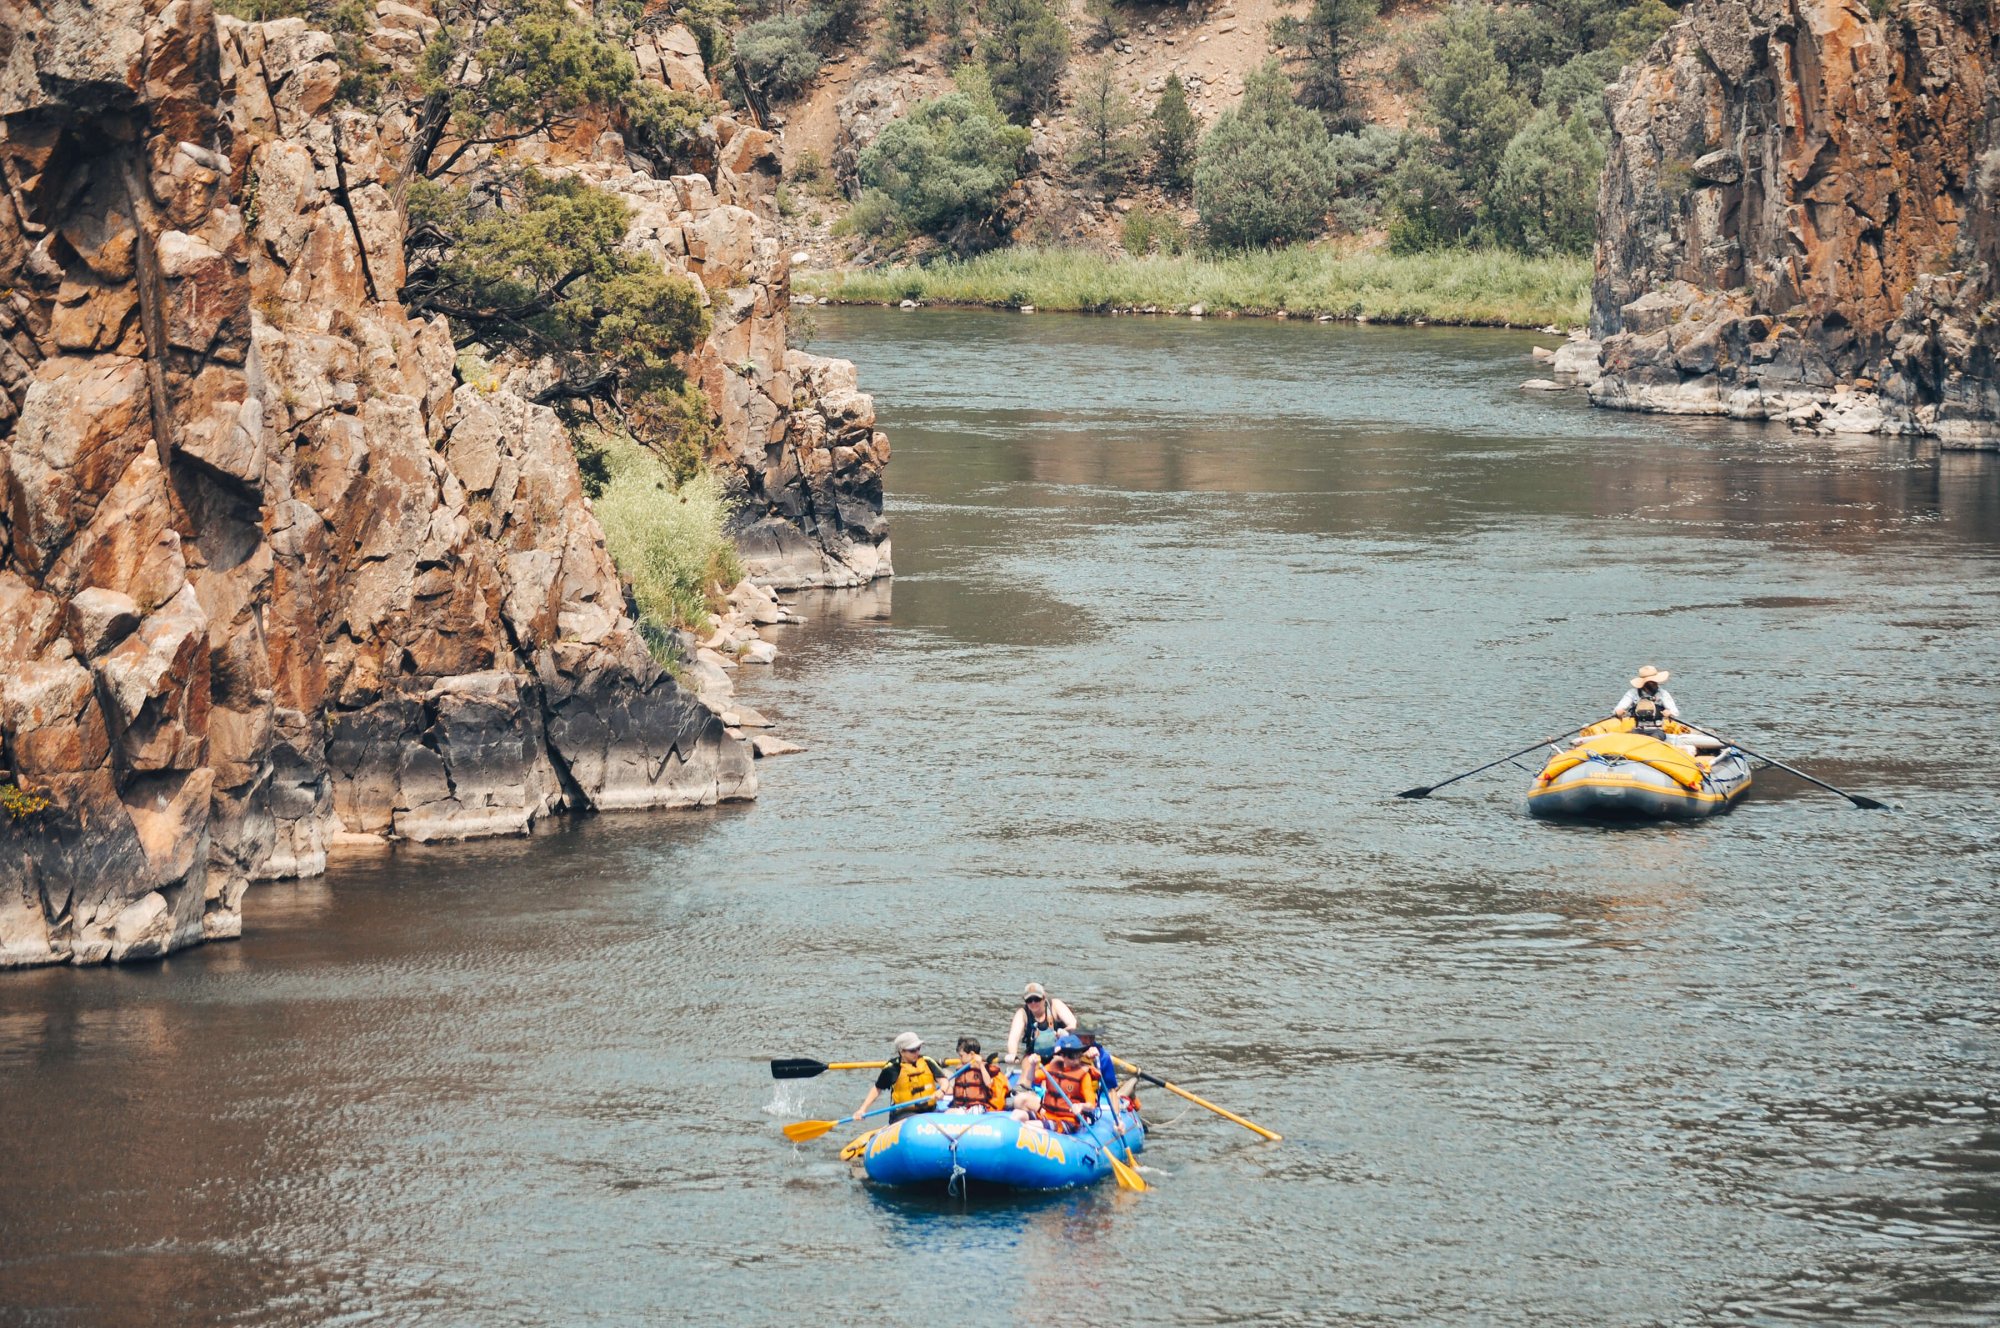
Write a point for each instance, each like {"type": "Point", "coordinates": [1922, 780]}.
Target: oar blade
{"type": "Point", "coordinates": [800, 1131]}
{"type": "Point", "coordinates": [797, 1067]}
{"type": "Point", "coordinates": [1869, 804]}
{"type": "Point", "coordinates": [1422, 791]}
{"type": "Point", "coordinates": [1128, 1177]}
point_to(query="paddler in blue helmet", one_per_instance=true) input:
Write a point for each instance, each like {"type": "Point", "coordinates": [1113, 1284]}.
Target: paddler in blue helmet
{"type": "Point", "coordinates": [1098, 1058]}
{"type": "Point", "coordinates": [1038, 1021]}
{"type": "Point", "coordinates": [910, 1078]}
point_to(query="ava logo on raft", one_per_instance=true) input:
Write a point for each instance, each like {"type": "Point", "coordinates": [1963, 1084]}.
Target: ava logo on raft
{"type": "Point", "coordinates": [1039, 1141]}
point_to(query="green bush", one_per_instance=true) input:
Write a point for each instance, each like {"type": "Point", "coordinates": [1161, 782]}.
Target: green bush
{"type": "Point", "coordinates": [1265, 174]}
{"type": "Point", "coordinates": [873, 215]}
{"type": "Point", "coordinates": [1146, 231]}
{"type": "Point", "coordinates": [1026, 49]}
{"type": "Point", "coordinates": [1362, 165]}
{"type": "Point", "coordinates": [945, 164]}
{"type": "Point", "coordinates": [667, 539]}
{"type": "Point", "coordinates": [907, 24]}
{"type": "Point", "coordinates": [778, 55]}
{"type": "Point", "coordinates": [1546, 197]}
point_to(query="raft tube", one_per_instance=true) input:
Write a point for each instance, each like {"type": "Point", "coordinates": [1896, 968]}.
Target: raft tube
{"type": "Point", "coordinates": [991, 1148]}
{"type": "Point", "coordinates": [1625, 777]}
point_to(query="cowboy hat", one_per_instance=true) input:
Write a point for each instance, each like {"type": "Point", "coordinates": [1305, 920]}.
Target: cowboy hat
{"type": "Point", "coordinates": [1650, 674]}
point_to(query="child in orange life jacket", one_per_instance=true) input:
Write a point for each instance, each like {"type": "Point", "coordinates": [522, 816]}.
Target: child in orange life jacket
{"type": "Point", "coordinates": [1069, 1096]}
{"type": "Point", "coordinates": [975, 1085]}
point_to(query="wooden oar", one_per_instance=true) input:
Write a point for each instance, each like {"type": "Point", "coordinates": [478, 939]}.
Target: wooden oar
{"type": "Point", "coordinates": [1251, 1126]}
{"type": "Point", "coordinates": [800, 1131]}
{"type": "Point", "coordinates": [1425, 790]}
{"type": "Point", "coordinates": [1866, 804]}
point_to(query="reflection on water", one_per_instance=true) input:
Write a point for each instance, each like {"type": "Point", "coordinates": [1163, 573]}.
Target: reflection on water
{"type": "Point", "coordinates": [1180, 606]}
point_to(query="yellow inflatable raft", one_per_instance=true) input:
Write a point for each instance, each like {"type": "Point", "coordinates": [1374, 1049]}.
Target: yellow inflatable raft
{"type": "Point", "coordinates": [1621, 774]}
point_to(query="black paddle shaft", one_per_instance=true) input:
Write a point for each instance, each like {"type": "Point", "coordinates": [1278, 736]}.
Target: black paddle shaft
{"type": "Point", "coordinates": [1865, 803]}
{"type": "Point", "coordinates": [1424, 791]}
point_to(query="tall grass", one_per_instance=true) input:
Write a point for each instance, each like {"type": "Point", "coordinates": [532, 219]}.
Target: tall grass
{"type": "Point", "coordinates": [1488, 287]}
{"type": "Point", "coordinates": [667, 540]}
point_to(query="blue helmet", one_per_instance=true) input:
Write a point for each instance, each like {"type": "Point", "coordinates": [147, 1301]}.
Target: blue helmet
{"type": "Point", "coordinates": [1068, 1042]}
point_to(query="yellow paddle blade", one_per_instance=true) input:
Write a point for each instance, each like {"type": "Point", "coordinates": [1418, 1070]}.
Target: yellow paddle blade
{"type": "Point", "coordinates": [800, 1131]}
{"type": "Point", "coordinates": [1128, 1177]}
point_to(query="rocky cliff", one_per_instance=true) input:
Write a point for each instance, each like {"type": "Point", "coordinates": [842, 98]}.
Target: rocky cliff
{"type": "Point", "coordinates": [271, 573]}
{"type": "Point", "coordinates": [1798, 219]}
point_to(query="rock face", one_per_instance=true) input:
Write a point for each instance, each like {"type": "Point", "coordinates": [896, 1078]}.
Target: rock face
{"type": "Point", "coordinates": [270, 573]}
{"type": "Point", "coordinates": [1798, 219]}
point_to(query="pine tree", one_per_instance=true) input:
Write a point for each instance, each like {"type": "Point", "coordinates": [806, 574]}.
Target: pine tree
{"type": "Point", "coordinates": [1105, 114]}
{"type": "Point", "coordinates": [1026, 49]}
{"type": "Point", "coordinates": [1173, 138]}
{"type": "Point", "coordinates": [1323, 42]}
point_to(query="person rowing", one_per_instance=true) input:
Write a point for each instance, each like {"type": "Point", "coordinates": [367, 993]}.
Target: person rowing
{"type": "Point", "coordinates": [909, 1077]}
{"type": "Point", "coordinates": [1038, 1021]}
{"type": "Point", "coordinates": [1070, 1087]}
{"type": "Point", "coordinates": [1647, 703]}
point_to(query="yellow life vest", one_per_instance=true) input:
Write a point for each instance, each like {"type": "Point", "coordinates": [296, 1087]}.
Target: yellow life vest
{"type": "Point", "coordinates": [914, 1082]}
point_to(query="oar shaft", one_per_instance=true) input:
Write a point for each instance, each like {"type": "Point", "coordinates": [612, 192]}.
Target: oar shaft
{"type": "Point", "coordinates": [1854, 798]}
{"type": "Point", "coordinates": [1539, 742]}
{"type": "Point", "coordinates": [1251, 1126]}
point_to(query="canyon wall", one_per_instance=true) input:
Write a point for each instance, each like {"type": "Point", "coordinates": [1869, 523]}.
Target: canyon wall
{"type": "Point", "coordinates": [272, 574]}
{"type": "Point", "coordinates": [1797, 219]}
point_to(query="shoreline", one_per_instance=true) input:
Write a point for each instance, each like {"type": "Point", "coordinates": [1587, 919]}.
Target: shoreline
{"type": "Point", "coordinates": [1457, 288]}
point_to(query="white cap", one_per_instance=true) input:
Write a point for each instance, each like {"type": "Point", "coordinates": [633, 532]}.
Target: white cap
{"type": "Point", "coordinates": [1033, 989]}
{"type": "Point", "coordinates": [909, 1042]}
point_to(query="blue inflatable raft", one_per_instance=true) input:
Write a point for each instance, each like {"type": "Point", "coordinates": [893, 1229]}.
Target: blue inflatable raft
{"type": "Point", "coordinates": [948, 1148]}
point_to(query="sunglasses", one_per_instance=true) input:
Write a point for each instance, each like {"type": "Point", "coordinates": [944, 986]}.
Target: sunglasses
{"type": "Point", "coordinates": [1034, 1000]}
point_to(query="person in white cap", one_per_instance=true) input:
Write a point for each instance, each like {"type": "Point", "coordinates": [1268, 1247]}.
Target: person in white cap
{"type": "Point", "coordinates": [1648, 703]}
{"type": "Point", "coordinates": [910, 1078]}
{"type": "Point", "coordinates": [1038, 1021]}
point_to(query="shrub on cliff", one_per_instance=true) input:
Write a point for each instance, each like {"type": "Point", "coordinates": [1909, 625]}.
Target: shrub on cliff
{"type": "Point", "coordinates": [540, 269]}
{"type": "Point", "coordinates": [498, 71]}
{"type": "Point", "coordinates": [1266, 172]}
{"type": "Point", "coordinates": [667, 538]}
{"type": "Point", "coordinates": [1026, 49]}
{"type": "Point", "coordinates": [777, 55]}
{"type": "Point", "coordinates": [943, 166]}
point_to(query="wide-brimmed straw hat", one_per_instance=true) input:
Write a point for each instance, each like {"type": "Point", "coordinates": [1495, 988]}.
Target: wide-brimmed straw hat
{"type": "Point", "coordinates": [1650, 674]}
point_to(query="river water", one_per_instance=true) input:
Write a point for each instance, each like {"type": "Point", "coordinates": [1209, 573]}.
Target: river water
{"type": "Point", "coordinates": [1180, 606]}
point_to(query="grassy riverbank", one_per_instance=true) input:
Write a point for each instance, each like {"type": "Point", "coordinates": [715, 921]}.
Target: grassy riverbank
{"type": "Point", "coordinates": [1474, 287]}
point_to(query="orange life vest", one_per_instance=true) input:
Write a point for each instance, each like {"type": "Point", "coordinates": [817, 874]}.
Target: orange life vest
{"type": "Point", "coordinates": [1078, 1085]}
{"type": "Point", "coordinates": [973, 1086]}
